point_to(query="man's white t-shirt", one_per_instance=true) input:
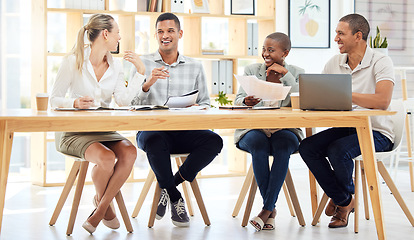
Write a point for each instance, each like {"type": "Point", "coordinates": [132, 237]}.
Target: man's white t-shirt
{"type": "Point", "coordinates": [373, 68]}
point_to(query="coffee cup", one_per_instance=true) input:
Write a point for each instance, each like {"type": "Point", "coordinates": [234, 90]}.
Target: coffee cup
{"type": "Point", "coordinates": [42, 100]}
{"type": "Point", "coordinates": [294, 100]}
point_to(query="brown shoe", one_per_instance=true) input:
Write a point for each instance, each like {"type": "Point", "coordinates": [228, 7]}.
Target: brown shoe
{"type": "Point", "coordinates": [341, 216]}
{"type": "Point", "coordinates": [330, 209]}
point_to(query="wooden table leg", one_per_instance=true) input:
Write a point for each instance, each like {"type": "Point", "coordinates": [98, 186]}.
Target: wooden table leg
{"type": "Point", "coordinates": [366, 143]}
{"type": "Point", "coordinates": [6, 141]}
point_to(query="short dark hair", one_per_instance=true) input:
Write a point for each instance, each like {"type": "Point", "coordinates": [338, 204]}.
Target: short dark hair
{"type": "Point", "coordinates": [168, 16]}
{"type": "Point", "coordinates": [357, 23]}
{"type": "Point", "coordinates": [282, 39]}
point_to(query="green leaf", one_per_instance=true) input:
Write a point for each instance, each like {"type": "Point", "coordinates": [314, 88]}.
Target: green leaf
{"type": "Point", "coordinates": [378, 42]}
{"type": "Point", "coordinates": [222, 99]}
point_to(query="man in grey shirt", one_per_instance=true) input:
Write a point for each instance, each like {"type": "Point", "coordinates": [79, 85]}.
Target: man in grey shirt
{"type": "Point", "coordinates": [171, 74]}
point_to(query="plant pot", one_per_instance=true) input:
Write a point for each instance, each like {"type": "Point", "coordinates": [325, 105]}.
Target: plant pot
{"type": "Point", "coordinates": [381, 50]}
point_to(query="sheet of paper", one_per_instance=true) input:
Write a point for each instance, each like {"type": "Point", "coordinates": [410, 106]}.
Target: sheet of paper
{"type": "Point", "coordinates": [182, 101]}
{"type": "Point", "coordinates": [262, 89]}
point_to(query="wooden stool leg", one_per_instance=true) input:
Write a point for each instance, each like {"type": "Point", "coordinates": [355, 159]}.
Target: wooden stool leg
{"type": "Point", "coordinates": [124, 212]}
{"type": "Point", "coordinates": [187, 197]}
{"type": "Point", "coordinates": [200, 202]}
{"type": "Point", "coordinates": [356, 208]}
{"type": "Point", "coordinates": [319, 210]}
{"type": "Point", "coordinates": [76, 198]}
{"type": "Point", "coordinates": [249, 204]}
{"type": "Point", "coordinates": [364, 190]}
{"type": "Point", "coordinates": [388, 180]}
{"type": "Point", "coordinates": [65, 192]}
{"type": "Point", "coordinates": [294, 197]}
{"type": "Point", "coordinates": [288, 200]}
{"type": "Point", "coordinates": [155, 200]}
{"type": "Point", "coordinates": [144, 193]}
{"type": "Point", "coordinates": [243, 191]}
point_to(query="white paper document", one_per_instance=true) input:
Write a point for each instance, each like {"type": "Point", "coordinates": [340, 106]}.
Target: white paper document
{"type": "Point", "coordinates": [182, 101]}
{"type": "Point", "coordinates": [262, 89]}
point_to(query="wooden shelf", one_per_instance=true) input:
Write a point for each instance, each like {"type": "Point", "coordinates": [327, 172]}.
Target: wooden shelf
{"type": "Point", "coordinates": [192, 42]}
{"type": "Point", "coordinates": [193, 15]}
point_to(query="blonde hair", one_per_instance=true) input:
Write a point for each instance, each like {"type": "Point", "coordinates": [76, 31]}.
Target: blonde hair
{"type": "Point", "coordinates": [95, 25]}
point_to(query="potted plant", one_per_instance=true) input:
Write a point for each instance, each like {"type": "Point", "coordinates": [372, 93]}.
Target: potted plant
{"type": "Point", "coordinates": [222, 99]}
{"type": "Point", "coordinates": [378, 43]}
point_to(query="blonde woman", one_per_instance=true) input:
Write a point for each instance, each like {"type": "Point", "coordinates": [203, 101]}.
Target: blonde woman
{"type": "Point", "coordinates": [90, 77]}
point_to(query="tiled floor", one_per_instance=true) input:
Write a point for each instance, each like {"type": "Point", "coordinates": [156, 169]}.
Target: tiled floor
{"type": "Point", "coordinates": [28, 210]}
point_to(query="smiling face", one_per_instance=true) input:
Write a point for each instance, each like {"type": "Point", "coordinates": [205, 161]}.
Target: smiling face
{"type": "Point", "coordinates": [113, 37]}
{"type": "Point", "coordinates": [344, 37]}
{"type": "Point", "coordinates": [272, 52]}
{"type": "Point", "coordinates": [168, 35]}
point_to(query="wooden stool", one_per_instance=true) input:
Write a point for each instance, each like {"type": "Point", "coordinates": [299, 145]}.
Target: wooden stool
{"type": "Point", "coordinates": [179, 158]}
{"type": "Point", "coordinates": [80, 167]}
{"type": "Point", "coordinates": [288, 188]}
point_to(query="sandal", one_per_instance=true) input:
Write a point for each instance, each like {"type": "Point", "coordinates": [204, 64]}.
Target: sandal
{"type": "Point", "coordinates": [257, 223]}
{"type": "Point", "coordinates": [270, 224]}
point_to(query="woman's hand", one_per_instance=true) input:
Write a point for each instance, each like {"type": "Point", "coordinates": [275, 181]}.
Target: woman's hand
{"type": "Point", "coordinates": [251, 100]}
{"type": "Point", "coordinates": [277, 68]}
{"type": "Point", "coordinates": [133, 58]}
{"type": "Point", "coordinates": [83, 102]}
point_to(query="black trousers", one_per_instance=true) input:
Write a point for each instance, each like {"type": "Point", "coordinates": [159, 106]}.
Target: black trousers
{"type": "Point", "coordinates": [202, 145]}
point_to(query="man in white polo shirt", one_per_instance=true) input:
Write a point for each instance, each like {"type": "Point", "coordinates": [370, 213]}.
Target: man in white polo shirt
{"type": "Point", "coordinates": [329, 154]}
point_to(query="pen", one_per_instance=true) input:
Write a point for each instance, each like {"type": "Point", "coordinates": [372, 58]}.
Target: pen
{"type": "Point", "coordinates": [80, 96]}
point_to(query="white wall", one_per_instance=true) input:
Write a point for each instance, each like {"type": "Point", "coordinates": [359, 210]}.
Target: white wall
{"type": "Point", "coordinates": [312, 60]}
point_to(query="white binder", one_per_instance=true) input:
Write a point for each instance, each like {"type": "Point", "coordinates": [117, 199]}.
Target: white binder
{"type": "Point", "coordinates": [177, 6]}
{"type": "Point", "coordinates": [255, 33]}
{"type": "Point", "coordinates": [69, 4]}
{"type": "Point", "coordinates": [229, 76]}
{"type": "Point", "coordinates": [101, 5]}
{"type": "Point", "coordinates": [215, 77]}
{"type": "Point", "coordinates": [93, 4]}
{"type": "Point", "coordinates": [77, 4]}
{"type": "Point", "coordinates": [249, 39]}
{"type": "Point", "coordinates": [85, 4]}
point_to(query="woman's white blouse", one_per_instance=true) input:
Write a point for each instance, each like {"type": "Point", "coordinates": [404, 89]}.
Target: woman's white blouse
{"type": "Point", "coordinates": [76, 84]}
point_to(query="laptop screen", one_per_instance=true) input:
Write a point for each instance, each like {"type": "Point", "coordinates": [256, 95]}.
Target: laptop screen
{"type": "Point", "coordinates": [325, 92]}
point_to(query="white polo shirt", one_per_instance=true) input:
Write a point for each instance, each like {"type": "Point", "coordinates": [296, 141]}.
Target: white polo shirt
{"type": "Point", "coordinates": [373, 68]}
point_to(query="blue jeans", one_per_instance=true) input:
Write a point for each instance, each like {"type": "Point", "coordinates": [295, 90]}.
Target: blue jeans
{"type": "Point", "coordinates": [203, 146]}
{"type": "Point", "coordinates": [329, 156]}
{"type": "Point", "coordinates": [280, 145]}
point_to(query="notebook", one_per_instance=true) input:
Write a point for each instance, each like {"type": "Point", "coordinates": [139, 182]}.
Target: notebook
{"type": "Point", "coordinates": [325, 92]}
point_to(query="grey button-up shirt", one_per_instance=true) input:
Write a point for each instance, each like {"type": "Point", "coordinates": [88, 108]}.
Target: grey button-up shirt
{"type": "Point", "coordinates": [186, 75]}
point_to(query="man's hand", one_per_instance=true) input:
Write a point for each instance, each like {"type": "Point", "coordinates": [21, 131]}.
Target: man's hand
{"type": "Point", "coordinates": [157, 73]}
{"type": "Point", "coordinates": [251, 100]}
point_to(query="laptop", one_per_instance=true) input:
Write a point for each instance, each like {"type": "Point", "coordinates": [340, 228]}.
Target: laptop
{"type": "Point", "coordinates": [325, 92]}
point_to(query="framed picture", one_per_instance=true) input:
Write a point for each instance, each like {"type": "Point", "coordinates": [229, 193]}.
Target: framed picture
{"type": "Point", "coordinates": [242, 7]}
{"type": "Point", "coordinates": [200, 6]}
{"type": "Point", "coordinates": [309, 23]}
{"type": "Point", "coordinates": [391, 19]}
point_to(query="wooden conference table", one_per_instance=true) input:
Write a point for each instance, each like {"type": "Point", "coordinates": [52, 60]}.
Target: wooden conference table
{"type": "Point", "coordinates": [27, 120]}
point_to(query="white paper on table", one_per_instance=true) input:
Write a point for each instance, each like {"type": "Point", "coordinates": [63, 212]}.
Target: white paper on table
{"type": "Point", "coordinates": [262, 89]}
{"type": "Point", "coordinates": [182, 101]}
